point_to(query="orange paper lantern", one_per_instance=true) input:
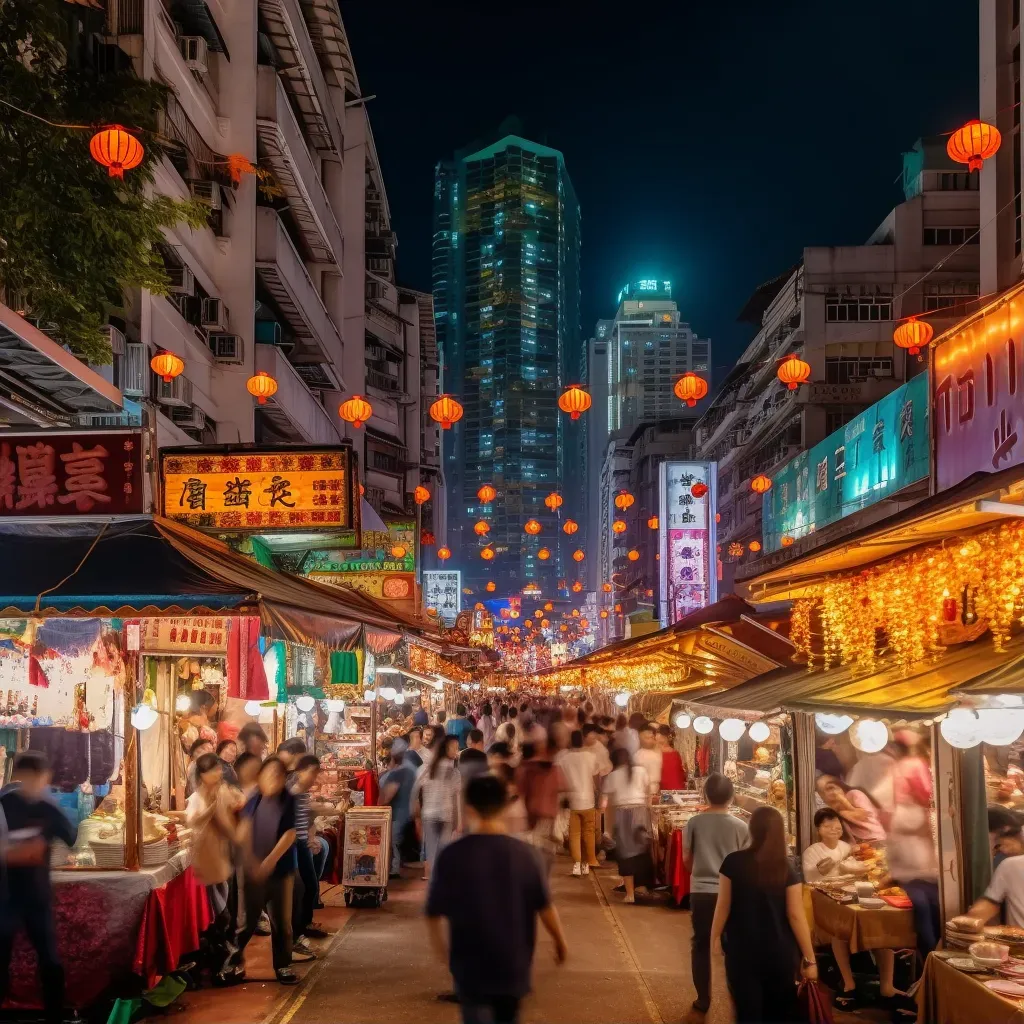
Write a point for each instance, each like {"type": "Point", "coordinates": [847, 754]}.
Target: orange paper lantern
{"type": "Point", "coordinates": [421, 495]}
{"type": "Point", "coordinates": [913, 335]}
{"type": "Point", "coordinates": [357, 410]}
{"type": "Point", "coordinates": [761, 483]}
{"type": "Point", "coordinates": [548, 606]}
{"type": "Point", "coordinates": [570, 526]}
{"type": "Point", "coordinates": [116, 149]}
{"type": "Point", "coordinates": [653, 522]}
{"type": "Point", "coordinates": [619, 526]}
{"type": "Point", "coordinates": [698, 490]}
{"type": "Point", "coordinates": [577, 587]}
{"type": "Point", "coordinates": [973, 144]}
{"type": "Point", "coordinates": [444, 554]}
{"type": "Point", "coordinates": [398, 551]}
{"type": "Point", "coordinates": [578, 555]}
{"type": "Point", "coordinates": [787, 541]}
{"type": "Point", "coordinates": [553, 501]}
{"type": "Point", "coordinates": [446, 411]}
{"type": "Point", "coordinates": [690, 388]}
{"type": "Point", "coordinates": [545, 623]}
{"type": "Point", "coordinates": [491, 587]}
{"type": "Point", "coordinates": [624, 500]}
{"type": "Point", "coordinates": [633, 555]}
{"type": "Point", "coordinates": [261, 386]}
{"type": "Point", "coordinates": [487, 554]}
{"type": "Point", "coordinates": [486, 494]}
{"type": "Point", "coordinates": [754, 545]}
{"type": "Point", "coordinates": [167, 366]}
{"type": "Point", "coordinates": [574, 400]}
{"type": "Point", "coordinates": [584, 623]}
{"type": "Point", "coordinates": [532, 527]}
{"type": "Point", "coordinates": [793, 372]}
{"type": "Point", "coordinates": [543, 554]}
{"type": "Point", "coordinates": [606, 587]}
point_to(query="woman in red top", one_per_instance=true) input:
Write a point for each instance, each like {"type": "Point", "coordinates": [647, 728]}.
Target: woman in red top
{"type": "Point", "coordinates": [673, 774]}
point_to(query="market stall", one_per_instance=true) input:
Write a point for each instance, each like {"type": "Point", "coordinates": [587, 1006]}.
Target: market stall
{"type": "Point", "coordinates": [950, 996]}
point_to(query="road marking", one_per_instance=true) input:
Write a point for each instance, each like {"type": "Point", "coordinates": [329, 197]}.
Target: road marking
{"type": "Point", "coordinates": [626, 948]}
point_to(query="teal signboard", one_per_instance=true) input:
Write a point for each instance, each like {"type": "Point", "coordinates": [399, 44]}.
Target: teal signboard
{"type": "Point", "coordinates": [876, 454]}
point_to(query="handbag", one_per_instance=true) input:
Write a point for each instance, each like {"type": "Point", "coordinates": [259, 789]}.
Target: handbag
{"type": "Point", "coordinates": [814, 1007]}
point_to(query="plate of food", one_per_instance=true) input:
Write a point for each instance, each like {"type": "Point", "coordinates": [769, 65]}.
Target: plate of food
{"type": "Point", "coordinates": [1005, 987]}
{"type": "Point", "coordinates": [965, 964]}
{"type": "Point", "coordinates": [1005, 933]}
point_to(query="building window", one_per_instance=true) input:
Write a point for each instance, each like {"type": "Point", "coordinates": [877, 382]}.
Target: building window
{"type": "Point", "coordinates": [949, 296]}
{"type": "Point", "coordinates": [385, 461]}
{"type": "Point", "coordinates": [951, 236]}
{"type": "Point", "coordinates": [848, 308]}
{"type": "Point", "coordinates": [837, 416]}
{"type": "Point", "coordinates": [850, 369]}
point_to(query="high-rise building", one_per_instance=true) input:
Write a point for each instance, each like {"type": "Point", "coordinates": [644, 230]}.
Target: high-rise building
{"type": "Point", "coordinates": [506, 300]}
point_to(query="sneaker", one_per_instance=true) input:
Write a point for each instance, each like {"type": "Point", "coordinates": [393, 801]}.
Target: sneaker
{"type": "Point", "coordinates": [586, 869]}
{"type": "Point", "coordinates": [314, 931]}
{"type": "Point", "coordinates": [263, 928]}
{"type": "Point", "coordinates": [286, 976]}
{"type": "Point", "coordinates": [302, 945]}
{"type": "Point", "coordinates": [576, 870]}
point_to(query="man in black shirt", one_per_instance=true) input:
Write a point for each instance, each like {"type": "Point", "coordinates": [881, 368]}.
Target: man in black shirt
{"type": "Point", "coordinates": [491, 887]}
{"type": "Point", "coordinates": [31, 815]}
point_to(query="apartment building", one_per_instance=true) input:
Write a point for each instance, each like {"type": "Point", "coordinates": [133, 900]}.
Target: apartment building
{"type": "Point", "coordinates": [837, 309]}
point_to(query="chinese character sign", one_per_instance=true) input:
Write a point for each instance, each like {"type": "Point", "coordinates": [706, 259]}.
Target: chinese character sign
{"type": "Point", "coordinates": [688, 569]}
{"type": "Point", "coordinates": [442, 589]}
{"type": "Point", "coordinates": [185, 635]}
{"type": "Point", "coordinates": [879, 452]}
{"type": "Point", "coordinates": [71, 474]}
{"type": "Point", "coordinates": [978, 396]}
{"type": "Point", "coordinates": [394, 551]}
{"type": "Point", "coordinates": [256, 490]}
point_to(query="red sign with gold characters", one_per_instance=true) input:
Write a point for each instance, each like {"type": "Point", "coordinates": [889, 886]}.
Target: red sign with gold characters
{"type": "Point", "coordinates": [254, 490]}
{"type": "Point", "coordinates": [71, 474]}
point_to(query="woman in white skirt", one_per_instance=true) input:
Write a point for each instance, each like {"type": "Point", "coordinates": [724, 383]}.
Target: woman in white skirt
{"type": "Point", "coordinates": [626, 788]}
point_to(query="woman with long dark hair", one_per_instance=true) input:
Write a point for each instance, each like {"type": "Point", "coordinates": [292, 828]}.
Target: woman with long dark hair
{"type": "Point", "coordinates": [626, 787]}
{"type": "Point", "coordinates": [435, 797]}
{"type": "Point", "coordinates": [761, 926]}
{"type": "Point", "coordinates": [858, 810]}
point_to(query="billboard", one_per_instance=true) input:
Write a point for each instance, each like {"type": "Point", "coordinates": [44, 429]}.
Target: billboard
{"type": "Point", "coordinates": [71, 474]}
{"type": "Point", "coordinates": [879, 452]}
{"type": "Point", "coordinates": [442, 589]}
{"type": "Point", "coordinates": [686, 538]}
{"type": "Point", "coordinates": [978, 393]}
{"type": "Point", "coordinates": [258, 490]}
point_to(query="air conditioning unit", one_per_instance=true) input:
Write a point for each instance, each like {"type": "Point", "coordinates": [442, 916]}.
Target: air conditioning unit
{"type": "Point", "coordinates": [227, 348]}
{"type": "Point", "coordinates": [174, 392]}
{"type": "Point", "coordinates": [133, 370]}
{"type": "Point", "coordinates": [116, 338]}
{"type": "Point", "coordinates": [215, 315]}
{"type": "Point", "coordinates": [181, 281]}
{"type": "Point", "coordinates": [194, 51]}
{"type": "Point", "coordinates": [207, 192]}
{"type": "Point", "coordinates": [191, 418]}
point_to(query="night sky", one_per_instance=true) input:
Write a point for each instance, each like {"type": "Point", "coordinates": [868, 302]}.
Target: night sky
{"type": "Point", "coordinates": [707, 142]}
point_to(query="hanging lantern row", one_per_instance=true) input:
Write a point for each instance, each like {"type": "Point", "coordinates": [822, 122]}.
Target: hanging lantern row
{"type": "Point", "coordinates": [553, 501]}
{"type": "Point", "coordinates": [487, 494]}
{"type": "Point", "coordinates": [356, 410]}
{"type": "Point", "coordinates": [624, 500]}
{"type": "Point", "coordinates": [690, 388]}
{"type": "Point", "coordinates": [574, 400]}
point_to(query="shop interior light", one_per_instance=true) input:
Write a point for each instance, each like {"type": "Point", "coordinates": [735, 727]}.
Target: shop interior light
{"type": "Point", "coordinates": [621, 699]}
{"type": "Point", "coordinates": [252, 708]}
{"type": "Point", "coordinates": [759, 732]}
{"type": "Point", "coordinates": [387, 692]}
{"type": "Point", "coordinates": [399, 698]}
{"type": "Point", "coordinates": [683, 721]}
{"type": "Point", "coordinates": [962, 728]}
{"type": "Point", "coordinates": [183, 702]}
{"type": "Point", "coordinates": [868, 735]}
{"type": "Point", "coordinates": [305, 703]}
{"type": "Point", "coordinates": [144, 716]}
{"type": "Point", "coordinates": [1001, 726]}
{"type": "Point", "coordinates": [731, 729]}
{"type": "Point", "coordinates": [833, 725]}
{"type": "Point", "coordinates": [1008, 700]}
{"type": "Point", "coordinates": [703, 725]}
{"type": "Point", "coordinates": [388, 670]}
{"type": "Point", "coordinates": [369, 695]}
{"type": "Point", "coordinates": [334, 706]}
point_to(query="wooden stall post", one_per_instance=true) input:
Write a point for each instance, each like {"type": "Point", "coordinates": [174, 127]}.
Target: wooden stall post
{"type": "Point", "coordinates": [132, 773]}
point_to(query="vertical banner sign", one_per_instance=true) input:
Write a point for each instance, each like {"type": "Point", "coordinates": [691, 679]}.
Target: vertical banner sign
{"type": "Point", "coordinates": [442, 589]}
{"type": "Point", "coordinates": [686, 538]}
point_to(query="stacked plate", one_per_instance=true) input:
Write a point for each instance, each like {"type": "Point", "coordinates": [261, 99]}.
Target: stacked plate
{"type": "Point", "coordinates": [962, 931]}
{"type": "Point", "coordinates": [108, 855]}
{"type": "Point", "coordinates": [154, 854]}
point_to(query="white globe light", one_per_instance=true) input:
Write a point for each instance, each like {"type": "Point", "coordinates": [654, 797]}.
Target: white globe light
{"type": "Point", "coordinates": [683, 721]}
{"type": "Point", "coordinates": [962, 728]}
{"type": "Point", "coordinates": [388, 692]}
{"type": "Point", "coordinates": [868, 735]}
{"type": "Point", "coordinates": [731, 729]}
{"type": "Point", "coordinates": [305, 703]}
{"type": "Point", "coordinates": [369, 695]}
{"type": "Point", "coordinates": [252, 708]}
{"type": "Point", "coordinates": [143, 716]}
{"type": "Point", "coordinates": [759, 732]}
{"type": "Point", "coordinates": [1001, 726]}
{"type": "Point", "coordinates": [703, 725]}
{"type": "Point", "coordinates": [622, 699]}
{"type": "Point", "coordinates": [182, 703]}
{"type": "Point", "coordinates": [399, 698]}
{"type": "Point", "coordinates": [833, 725]}
{"type": "Point", "coordinates": [1009, 700]}
{"type": "Point", "coordinates": [335, 706]}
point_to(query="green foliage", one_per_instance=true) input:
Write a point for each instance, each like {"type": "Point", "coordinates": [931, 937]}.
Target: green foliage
{"type": "Point", "coordinates": [73, 238]}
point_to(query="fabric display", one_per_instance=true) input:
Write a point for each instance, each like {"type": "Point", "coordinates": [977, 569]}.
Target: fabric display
{"type": "Point", "coordinates": [76, 757]}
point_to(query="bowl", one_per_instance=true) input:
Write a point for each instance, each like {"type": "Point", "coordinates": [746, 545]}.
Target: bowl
{"type": "Point", "coordinates": [988, 954]}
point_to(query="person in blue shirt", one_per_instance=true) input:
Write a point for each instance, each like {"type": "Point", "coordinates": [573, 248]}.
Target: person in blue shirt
{"type": "Point", "coordinates": [396, 786]}
{"type": "Point", "coordinates": [459, 726]}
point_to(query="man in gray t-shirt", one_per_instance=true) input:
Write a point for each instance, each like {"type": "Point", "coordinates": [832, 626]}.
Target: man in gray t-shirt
{"type": "Point", "coordinates": [710, 837]}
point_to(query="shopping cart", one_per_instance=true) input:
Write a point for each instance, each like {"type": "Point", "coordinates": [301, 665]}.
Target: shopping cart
{"type": "Point", "coordinates": [366, 856]}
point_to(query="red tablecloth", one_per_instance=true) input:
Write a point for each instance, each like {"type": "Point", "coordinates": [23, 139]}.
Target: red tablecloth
{"type": "Point", "coordinates": [676, 875]}
{"type": "Point", "coordinates": [174, 917]}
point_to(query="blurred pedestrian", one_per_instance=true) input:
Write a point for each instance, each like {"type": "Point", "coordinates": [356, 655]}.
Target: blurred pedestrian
{"type": "Point", "coordinates": [396, 786]}
{"type": "Point", "coordinates": [252, 739]}
{"type": "Point", "coordinates": [580, 768]}
{"type": "Point", "coordinates": [199, 747]}
{"type": "Point", "coordinates": [673, 772]}
{"type": "Point", "coordinates": [491, 888]}
{"type": "Point", "coordinates": [435, 799]}
{"type": "Point", "coordinates": [626, 788]}
{"type": "Point", "coordinates": [649, 757]}
{"type": "Point", "coordinates": [459, 726]}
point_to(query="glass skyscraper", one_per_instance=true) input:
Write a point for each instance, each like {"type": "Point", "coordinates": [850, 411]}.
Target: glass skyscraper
{"type": "Point", "coordinates": [506, 299]}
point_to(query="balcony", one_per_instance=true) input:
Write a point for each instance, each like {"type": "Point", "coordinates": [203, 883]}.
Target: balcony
{"type": "Point", "coordinates": [283, 275]}
{"type": "Point", "coordinates": [281, 139]}
{"type": "Point", "coordinates": [293, 410]}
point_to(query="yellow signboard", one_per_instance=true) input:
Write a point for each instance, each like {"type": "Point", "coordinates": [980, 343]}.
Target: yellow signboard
{"type": "Point", "coordinates": [258, 490]}
{"type": "Point", "coordinates": [388, 586]}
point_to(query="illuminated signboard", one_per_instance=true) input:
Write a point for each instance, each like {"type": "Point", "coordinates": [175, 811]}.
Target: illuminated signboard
{"type": "Point", "coordinates": [978, 395]}
{"type": "Point", "coordinates": [879, 452]}
{"type": "Point", "coordinates": [185, 635]}
{"type": "Point", "coordinates": [686, 537]}
{"type": "Point", "coordinates": [442, 589]}
{"type": "Point", "coordinates": [385, 586]}
{"type": "Point", "coordinates": [258, 490]}
{"type": "Point", "coordinates": [380, 553]}
{"type": "Point", "coordinates": [58, 474]}
{"type": "Point", "coordinates": [648, 288]}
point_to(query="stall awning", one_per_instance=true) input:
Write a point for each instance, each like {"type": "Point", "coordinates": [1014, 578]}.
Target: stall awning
{"type": "Point", "coordinates": [920, 692]}
{"type": "Point", "coordinates": [150, 566]}
{"type": "Point", "coordinates": [1005, 678]}
{"type": "Point", "coordinates": [982, 500]}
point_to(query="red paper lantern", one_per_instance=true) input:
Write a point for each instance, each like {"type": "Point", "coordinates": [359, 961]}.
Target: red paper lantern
{"type": "Point", "coordinates": [793, 372]}
{"type": "Point", "coordinates": [624, 500]}
{"type": "Point", "coordinates": [690, 388]}
{"type": "Point", "coordinates": [578, 555]}
{"type": "Point", "coordinates": [754, 545]}
{"type": "Point", "coordinates": [633, 555]}
{"type": "Point", "coordinates": [570, 526]}
{"type": "Point", "coordinates": [698, 490]}
{"type": "Point", "coordinates": [167, 366]}
{"type": "Point", "coordinates": [913, 335]}
{"type": "Point", "coordinates": [357, 410]}
{"type": "Point", "coordinates": [116, 149]}
{"type": "Point", "coordinates": [261, 386]}
{"type": "Point", "coordinates": [487, 554]}
{"type": "Point", "coordinates": [787, 541]}
{"type": "Point", "coordinates": [761, 483]}
{"type": "Point", "coordinates": [486, 494]}
{"type": "Point", "coordinates": [532, 527]}
{"type": "Point", "coordinates": [543, 554]}
{"type": "Point", "coordinates": [421, 495]}
{"type": "Point", "coordinates": [553, 501]}
{"type": "Point", "coordinates": [973, 144]}
{"type": "Point", "coordinates": [653, 522]}
{"type": "Point", "coordinates": [574, 400]}
{"type": "Point", "coordinates": [619, 526]}
{"type": "Point", "coordinates": [491, 587]}
{"type": "Point", "coordinates": [446, 411]}
{"type": "Point", "coordinates": [444, 554]}
{"type": "Point", "coordinates": [481, 529]}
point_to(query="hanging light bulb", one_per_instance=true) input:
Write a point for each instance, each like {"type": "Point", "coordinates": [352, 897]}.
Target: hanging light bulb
{"type": "Point", "coordinates": [703, 725]}
{"type": "Point", "coordinates": [731, 729]}
{"type": "Point", "coordinates": [683, 721]}
{"type": "Point", "coordinates": [388, 693]}
{"type": "Point", "coordinates": [334, 707]}
{"type": "Point", "coordinates": [305, 703]}
{"type": "Point", "coordinates": [622, 699]}
{"type": "Point", "coordinates": [252, 708]}
{"type": "Point", "coordinates": [182, 702]}
{"type": "Point", "coordinates": [833, 725]}
{"type": "Point", "coordinates": [1001, 726]}
{"type": "Point", "coordinates": [144, 716]}
{"type": "Point", "coordinates": [759, 732]}
{"type": "Point", "coordinates": [399, 698]}
{"type": "Point", "coordinates": [962, 728]}
{"type": "Point", "coordinates": [868, 735]}
{"type": "Point", "coordinates": [369, 695]}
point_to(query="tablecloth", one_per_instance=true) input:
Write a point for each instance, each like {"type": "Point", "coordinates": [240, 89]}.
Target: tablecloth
{"type": "Point", "coordinates": [174, 917]}
{"type": "Point", "coordinates": [948, 996]}
{"type": "Point", "coordinates": [863, 929]}
{"type": "Point", "coordinates": [676, 875]}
